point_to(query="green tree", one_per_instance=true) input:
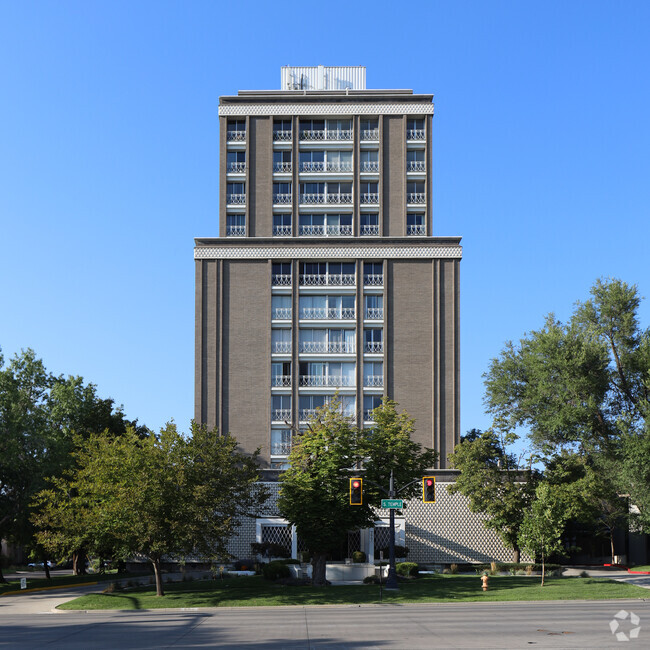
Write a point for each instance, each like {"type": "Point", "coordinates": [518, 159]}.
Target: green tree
{"type": "Point", "coordinates": [160, 496]}
{"type": "Point", "coordinates": [495, 482]}
{"type": "Point", "coordinates": [540, 532]}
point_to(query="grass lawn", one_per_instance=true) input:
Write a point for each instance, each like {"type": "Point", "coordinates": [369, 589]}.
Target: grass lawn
{"type": "Point", "coordinates": [645, 567]}
{"type": "Point", "coordinates": [255, 591]}
{"type": "Point", "coordinates": [61, 580]}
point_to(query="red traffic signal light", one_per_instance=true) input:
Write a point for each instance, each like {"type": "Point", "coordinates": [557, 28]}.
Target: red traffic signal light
{"type": "Point", "coordinates": [356, 491]}
{"type": "Point", "coordinates": [429, 489]}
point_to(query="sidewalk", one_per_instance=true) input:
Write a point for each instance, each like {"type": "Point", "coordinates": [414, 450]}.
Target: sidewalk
{"type": "Point", "coordinates": [620, 575]}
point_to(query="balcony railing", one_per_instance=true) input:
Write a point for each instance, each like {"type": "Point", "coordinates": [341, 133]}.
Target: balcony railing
{"type": "Point", "coordinates": [236, 199]}
{"type": "Point", "coordinates": [334, 279]}
{"type": "Point", "coordinates": [340, 135]}
{"type": "Point", "coordinates": [416, 197]}
{"type": "Point", "coordinates": [370, 134]}
{"type": "Point", "coordinates": [306, 414]}
{"type": "Point", "coordinates": [281, 415]}
{"type": "Point", "coordinates": [342, 197]}
{"type": "Point", "coordinates": [370, 198]}
{"type": "Point", "coordinates": [280, 448]}
{"type": "Point", "coordinates": [282, 231]}
{"type": "Point", "coordinates": [367, 415]}
{"type": "Point", "coordinates": [321, 166]}
{"type": "Point", "coordinates": [416, 166]}
{"type": "Point", "coordinates": [416, 230]}
{"type": "Point", "coordinates": [236, 136]}
{"type": "Point", "coordinates": [373, 347]}
{"type": "Point", "coordinates": [281, 313]}
{"type": "Point", "coordinates": [373, 381]}
{"type": "Point", "coordinates": [326, 380]}
{"type": "Point", "coordinates": [282, 167]}
{"type": "Point", "coordinates": [281, 280]}
{"type": "Point", "coordinates": [324, 347]}
{"type": "Point", "coordinates": [367, 231]}
{"type": "Point", "coordinates": [236, 231]}
{"type": "Point", "coordinates": [281, 381]}
{"type": "Point", "coordinates": [373, 279]}
{"type": "Point", "coordinates": [281, 347]}
{"type": "Point", "coordinates": [415, 134]}
{"type": "Point", "coordinates": [329, 231]}
{"type": "Point", "coordinates": [282, 199]}
{"type": "Point", "coordinates": [282, 136]}
{"type": "Point", "coordinates": [237, 167]}
{"type": "Point", "coordinates": [374, 313]}
{"type": "Point", "coordinates": [370, 166]}
{"type": "Point", "coordinates": [327, 313]}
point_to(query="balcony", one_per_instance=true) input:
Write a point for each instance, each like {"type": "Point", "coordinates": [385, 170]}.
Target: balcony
{"type": "Point", "coordinates": [282, 136]}
{"type": "Point", "coordinates": [370, 198]}
{"type": "Point", "coordinates": [416, 197]}
{"type": "Point", "coordinates": [282, 231]}
{"type": "Point", "coordinates": [368, 231]}
{"type": "Point", "coordinates": [282, 199]}
{"type": "Point", "coordinates": [281, 381]}
{"type": "Point", "coordinates": [327, 313]}
{"type": "Point", "coordinates": [325, 231]}
{"type": "Point", "coordinates": [415, 134]}
{"type": "Point", "coordinates": [340, 198]}
{"type": "Point", "coordinates": [331, 347]}
{"type": "Point", "coordinates": [416, 230]}
{"type": "Point", "coordinates": [281, 313]}
{"type": "Point", "coordinates": [374, 313]}
{"type": "Point", "coordinates": [280, 448]}
{"type": "Point", "coordinates": [320, 381]}
{"type": "Point", "coordinates": [321, 135]}
{"type": "Point", "coordinates": [326, 167]}
{"type": "Point", "coordinates": [281, 347]}
{"type": "Point", "coordinates": [236, 231]}
{"type": "Point", "coordinates": [367, 416]}
{"type": "Point", "coordinates": [416, 166]}
{"type": "Point", "coordinates": [236, 167]}
{"type": "Point", "coordinates": [373, 280]}
{"type": "Point", "coordinates": [236, 136]}
{"type": "Point", "coordinates": [281, 280]}
{"type": "Point", "coordinates": [281, 415]}
{"type": "Point", "coordinates": [282, 167]}
{"type": "Point", "coordinates": [329, 280]}
{"type": "Point", "coordinates": [312, 199]}
{"type": "Point", "coordinates": [373, 381]}
{"type": "Point", "coordinates": [373, 347]}
{"type": "Point", "coordinates": [236, 199]}
{"type": "Point", "coordinates": [306, 414]}
{"type": "Point", "coordinates": [370, 166]}
{"type": "Point", "coordinates": [370, 134]}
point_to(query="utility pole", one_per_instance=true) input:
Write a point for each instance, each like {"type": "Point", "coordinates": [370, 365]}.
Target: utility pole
{"type": "Point", "coordinates": [391, 580]}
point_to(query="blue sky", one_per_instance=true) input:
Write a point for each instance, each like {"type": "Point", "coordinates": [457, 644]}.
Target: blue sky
{"type": "Point", "coordinates": [109, 160]}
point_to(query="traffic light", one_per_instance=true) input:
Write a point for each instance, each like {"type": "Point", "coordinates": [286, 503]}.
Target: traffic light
{"type": "Point", "coordinates": [429, 489]}
{"type": "Point", "coordinates": [356, 491]}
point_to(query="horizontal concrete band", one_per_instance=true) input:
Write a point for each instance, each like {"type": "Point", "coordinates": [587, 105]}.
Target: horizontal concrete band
{"type": "Point", "coordinates": [344, 108]}
{"type": "Point", "coordinates": [327, 252]}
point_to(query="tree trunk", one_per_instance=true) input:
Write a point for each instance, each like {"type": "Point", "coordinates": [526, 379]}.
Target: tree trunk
{"type": "Point", "coordinates": [2, 578]}
{"type": "Point", "coordinates": [318, 569]}
{"type": "Point", "coordinates": [159, 583]}
{"type": "Point", "coordinates": [611, 544]}
{"type": "Point", "coordinates": [79, 563]}
{"type": "Point", "coordinates": [516, 554]}
{"type": "Point", "coordinates": [543, 568]}
{"type": "Point", "coordinates": [46, 568]}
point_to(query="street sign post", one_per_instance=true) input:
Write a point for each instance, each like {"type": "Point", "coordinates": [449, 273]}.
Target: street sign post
{"type": "Point", "coordinates": [392, 503]}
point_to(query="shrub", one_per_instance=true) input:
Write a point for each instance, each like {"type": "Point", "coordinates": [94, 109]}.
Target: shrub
{"type": "Point", "coordinates": [371, 580]}
{"type": "Point", "coordinates": [113, 587]}
{"type": "Point", "coordinates": [407, 569]}
{"type": "Point", "coordinates": [270, 549]}
{"type": "Point", "coordinates": [243, 565]}
{"type": "Point", "coordinates": [583, 574]}
{"type": "Point", "coordinates": [358, 556]}
{"type": "Point", "coordinates": [521, 572]}
{"type": "Point", "coordinates": [453, 568]}
{"type": "Point", "coordinates": [289, 560]}
{"type": "Point", "coordinates": [529, 570]}
{"type": "Point", "coordinates": [275, 570]}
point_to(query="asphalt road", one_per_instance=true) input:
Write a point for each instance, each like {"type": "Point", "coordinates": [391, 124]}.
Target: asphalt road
{"type": "Point", "coordinates": [463, 625]}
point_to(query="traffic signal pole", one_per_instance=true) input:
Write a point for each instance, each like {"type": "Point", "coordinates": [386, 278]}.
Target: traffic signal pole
{"type": "Point", "coordinates": [391, 580]}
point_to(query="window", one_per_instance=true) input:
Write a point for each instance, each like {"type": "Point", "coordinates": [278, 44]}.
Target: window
{"type": "Point", "coordinates": [281, 407]}
{"type": "Point", "coordinates": [339, 192]}
{"type": "Point", "coordinates": [373, 374]}
{"type": "Point", "coordinates": [369, 192]}
{"type": "Point", "coordinates": [370, 403]}
{"type": "Point", "coordinates": [282, 224]}
{"type": "Point", "coordinates": [335, 374]}
{"type": "Point", "coordinates": [281, 307]}
{"type": "Point", "coordinates": [369, 129]}
{"type": "Point", "coordinates": [282, 193]}
{"type": "Point", "coordinates": [415, 128]}
{"type": "Point", "coordinates": [415, 160]}
{"type": "Point", "coordinates": [339, 129]}
{"type": "Point", "coordinates": [282, 161]}
{"type": "Point", "coordinates": [373, 340]}
{"type": "Point", "coordinates": [235, 193]}
{"type": "Point", "coordinates": [235, 225]}
{"type": "Point", "coordinates": [415, 223]}
{"type": "Point", "coordinates": [369, 223]}
{"type": "Point", "coordinates": [280, 442]}
{"type": "Point", "coordinates": [415, 192]}
{"type": "Point", "coordinates": [312, 129]}
{"type": "Point", "coordinates": [312, 192]}
{"type": "Point", "coordinates": [373, 274]}
{"type": "Point", "coordinates": [282, 130]}
{"type": "Point", "coordinates": [281, 273]}
{"type": "Point", "coordinates": [311, 224]}
{"type": "Point", "coordinates": [374, 307]}
{"type": "Point", "coordinates": [236, 161]}
{"type": "Point", "coordinates": [327, 307]}
{"type": "Point", "coordinates": [338, 161]}
{"type": "Point", "coordinates": [236, 131]}
{"type": "Point", "coordinates": [369, 160]}
{"type": "Point", "coordinates": [281, 341]}
{"type": "Point", "coordinates": [322, 341]}
{"type": "Point", "coordinates": [281, 374]}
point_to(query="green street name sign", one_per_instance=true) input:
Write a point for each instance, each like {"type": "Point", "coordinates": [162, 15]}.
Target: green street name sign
{"type": "Point", "coordinates": [392, 503]}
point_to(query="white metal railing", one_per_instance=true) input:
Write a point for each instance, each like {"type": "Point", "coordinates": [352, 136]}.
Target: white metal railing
{"type": "Point", "coordinates": [305, 414]}
{"type": "Point", "coordinates": [327, 313]}
{"type": "Point", "coordinates": [367, 415]}
{"type": "Point", "coordinates": [281, 280]}
{"type": "Point", "coordinates": [416, 197]}
{"type": "Point", "coordinates": [282, 167]}
{"type": "Point", "coordinates": [281, 347]}
{"type": "Point", "coordinates": [322, 166]}
{"type": "Point", "coordinates": [416, 166]}
{"type": "Point", "coordinates": [236, 231]}
{"type": "Point", "coordinates": [281, 381]}
{"type": "Point", "coordinates": [373, 347]}
{"type": "Point", "coordinates": [312, 134]}
{"type": "Point", "coordinates": [281, 313]}
{"type": "Point", "coordinates": [312, 198]}
{"type": "Point", "coordinates": [373, 381]}
{"type": "Point", "coordinates": [280, 448]}
{"type": "Point", "coordinates": [370, 134]}
{"type": "Point", "coordinates": [282, 136]}
{"type": "Point", "coordinates": [320, 280]}
{"type": "Point", "coordinates": [280, 199]}
{"type": "Point", "coordinates": [282, 231]}
{"type": "Point", "coordinates": [369, 230]}
{"type": "Point", "coordinates": [370, 197]}
{"type": "Point", "coordinates": [236, 136]}
{"type": "Point", "coordinates": [326, 380]}
{"type": "Point", "coordinates": [373, 279]}
{"type": "Point", "coordinates": [331, 231]}
{"type": "Point", "coordinates": [322, 347]}
{"type": "Point", "coordinates": [416, 230]}
{"type": "Point", "coordinates": [236, 199]}
{"type": "Point", "coordinates": [415, 134]}
{"type": "Point", "coordinates": [374, 313]}
{"type": "Point", "coordinates": [342, 197]}
{"type": "Point", "coordinates": [370, 166]}
{"type": "Point", "coordinates": [237, 167]}
{"type": "Point", "coordinates": [281, 415]}
{"type": "Point", "coordinates": [321, 134]}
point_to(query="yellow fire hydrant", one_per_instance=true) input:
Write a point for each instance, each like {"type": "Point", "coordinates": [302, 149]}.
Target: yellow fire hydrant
{"type": "Point", "coordinates": [485, 579]}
